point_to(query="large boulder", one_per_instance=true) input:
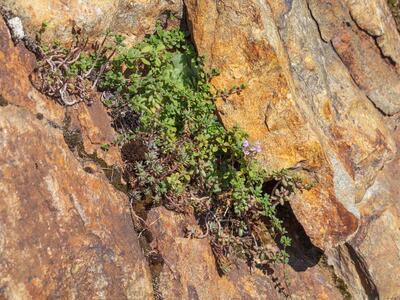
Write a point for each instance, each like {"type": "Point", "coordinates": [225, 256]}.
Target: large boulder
{"type": "Point", "coordinates": [65, 231]}
{"type": "Point", "coordinates": [301, 103]}
{"type": "Point", "coordinates": [323, 84]}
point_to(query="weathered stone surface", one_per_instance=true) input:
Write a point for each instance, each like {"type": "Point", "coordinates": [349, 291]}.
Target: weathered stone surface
{"type": "Point", "coordinates": [189, 270]}
{"type": "Point", "coordinates": [375, 18]}
{"type": "Point", "coordinates": [134, 18]}
{"type": "Point", "coordinates": [354, 136]}
{"type": "Point", "coordinates": [352, 45]}
{"type": "Point", "coordinates": [94, 124]}
{"type": "Point", "coordinates": [322, 78]}
{"type": "Point", "coordinates": [17, 64]}
{"type": "Point", "coordinates": [370, 261]}
{"type": "Point", "coordinates": [301, 103]}
{"type": "Point", "coordinates": [64, 232]}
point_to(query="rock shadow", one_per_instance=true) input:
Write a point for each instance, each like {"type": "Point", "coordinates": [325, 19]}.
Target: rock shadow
{"type": "Point", "coordinates": [303, 254]}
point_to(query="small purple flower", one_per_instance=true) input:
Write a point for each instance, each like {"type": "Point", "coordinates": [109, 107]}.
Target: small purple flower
{"type": "Point", "coordinates": [254, 149]}
{"type": "Point", "coordinates": [245, 147]}
{"type": "Point", "coordinates": [257, 147]}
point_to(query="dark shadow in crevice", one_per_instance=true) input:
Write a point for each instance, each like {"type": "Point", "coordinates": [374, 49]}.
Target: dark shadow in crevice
{"type": "Point", "coordinates": [269, 186]}
{"type": "Point", "coordinates": [3, 101]}
{"type": "Point", "coordinates": [363, 273]}
{"type": "Point", "coordinates": [303, 254]}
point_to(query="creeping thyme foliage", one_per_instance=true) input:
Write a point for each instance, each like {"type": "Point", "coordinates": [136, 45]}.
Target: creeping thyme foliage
{"type": "Point", "coordinates": [176, 150]}
{"type": "Point", "coordinates": [188, 158]}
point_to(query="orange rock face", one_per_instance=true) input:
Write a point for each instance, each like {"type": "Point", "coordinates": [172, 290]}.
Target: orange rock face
{"type": "Point", "coordinates": [189, 272]}
{"type": "Point", "coordinates": [369, 261]}
{"type": "Point", "coordinates": [64, 232]}
{"type": "Point", "coordinates": [322, 97]}
{"type": "Point", "coordinates": [132, 18]}
{"type": "Point", "coordinates": [322, 85]}
{"type": "Point", "coordinates": [301, 102]}
{"type": "Point", "coordinates": [17, 64]}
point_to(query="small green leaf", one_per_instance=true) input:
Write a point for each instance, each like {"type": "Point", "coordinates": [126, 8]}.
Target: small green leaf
{"type": "Point", "coordinates": [147, 49]}
{"type": "Point", "coordinates": [145, 61]}
{"type": "Point", "coordinates": [105, 147]}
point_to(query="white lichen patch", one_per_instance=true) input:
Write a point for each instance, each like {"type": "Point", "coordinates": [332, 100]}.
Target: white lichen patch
{"type": "Point", "coordinates": [344, 186]}
{"type": "Point", "coordinates": [54, 190]}
{"type": "Point", "coordinates": [16, 28]}
{"type": "Point", "coordinates": [79, 209]}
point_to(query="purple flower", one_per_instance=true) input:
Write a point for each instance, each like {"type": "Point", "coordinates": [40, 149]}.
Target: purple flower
{"type": "Point", "coordinates": [257, 147]}
{"type": "Point", "coordinates": [254, 149]}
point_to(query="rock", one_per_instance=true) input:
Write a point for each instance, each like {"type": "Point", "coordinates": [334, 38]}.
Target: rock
{"type": "Point", "coordinates": [297, 104]}
{"type": "Point", "coordinates": [17, 64]}
{"type": "Point", "coordinates": [64, 232]}
{"type": "Point", "coordinates": [94, 124]}
{"type": "Point", "coordinates": [322, 98]}
{"type": "Point", "coordinates": [375, 18]}
{"type": "Point", "coordinates": [331, 97]}
{"type": "Point", "coordinates": [323, 79]}
{"type": "Point", "coordinates": [189, 270]}
{"type": "Point", "coordinates": [352, 45]}
{"type": "Point", "coordinates": [370, 259]}
{"type": "Point", "coordinates": [133, 18]}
